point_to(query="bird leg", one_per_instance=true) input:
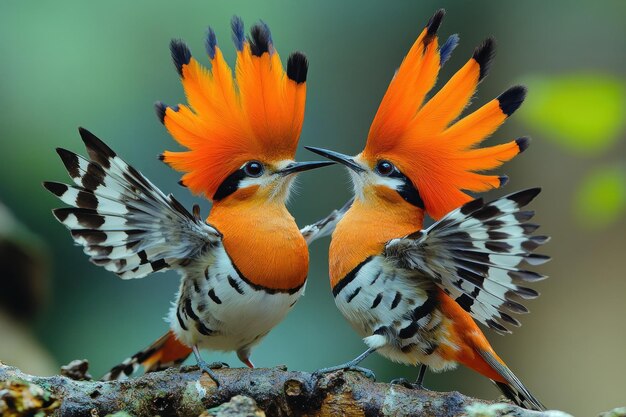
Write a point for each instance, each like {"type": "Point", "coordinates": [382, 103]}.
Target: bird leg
{"type": "Point", "coordinates": [419, 382]}
{"type": "Point", "coordinates": [208, 367]}
{"type": "Point", "coordinates": [244, 356]}
{"type": "Point", "coordinates": [350, 366]}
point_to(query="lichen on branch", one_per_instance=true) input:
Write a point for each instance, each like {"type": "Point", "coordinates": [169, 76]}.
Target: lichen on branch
{"type": "Point", "coordinates": [186, 392]}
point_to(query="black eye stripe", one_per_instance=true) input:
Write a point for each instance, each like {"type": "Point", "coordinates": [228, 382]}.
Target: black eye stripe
{"type": "Point", "coordinates": [407, 190]}
{"type": "Point", "coordinates": [231, 183]}
{"type": "Point", "coordinates": [410, 193]}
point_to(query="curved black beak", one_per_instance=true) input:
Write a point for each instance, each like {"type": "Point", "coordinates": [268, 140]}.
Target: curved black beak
{"type": "Point", "coordinates": [303, 166]}
{"type": "Point", "coordinates": [336, 156]}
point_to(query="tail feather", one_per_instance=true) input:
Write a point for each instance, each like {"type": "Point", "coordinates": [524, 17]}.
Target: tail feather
{"type": "Point", "coordinates": [166, 352]}
{"type": "Point", "coordinates": [513, 388]}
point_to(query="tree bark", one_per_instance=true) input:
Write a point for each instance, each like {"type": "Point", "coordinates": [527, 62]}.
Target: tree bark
{"type": "Point", "coordinates": [186, 392]}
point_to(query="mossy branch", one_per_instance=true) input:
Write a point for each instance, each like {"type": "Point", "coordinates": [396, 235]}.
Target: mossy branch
{"type": "Point", "coordinates": [186, 392]}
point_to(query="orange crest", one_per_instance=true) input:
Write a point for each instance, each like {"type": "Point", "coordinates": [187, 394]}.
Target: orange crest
{"type": "Point", "coordinates": [256, 115]}
{"type": "Point", "coordinates": [438, 153]}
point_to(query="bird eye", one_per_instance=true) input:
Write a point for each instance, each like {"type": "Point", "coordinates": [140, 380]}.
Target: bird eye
{"type": "Point", "coordinates": [253, 169]}
{"type": "Point", "coordinates": [384, 168]}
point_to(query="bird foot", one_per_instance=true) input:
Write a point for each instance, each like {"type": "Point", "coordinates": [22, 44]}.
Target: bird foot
{"type": "Point", "coordinates": [208, 368]}
{"type": "Point", "coordinates": [218, 365]}
{"type": "Point", "coordinates": [345, 367]}
{"type": "Point", "coordinates": [402, 382]}
{"type": "Point", "coordinates": [406, 384]}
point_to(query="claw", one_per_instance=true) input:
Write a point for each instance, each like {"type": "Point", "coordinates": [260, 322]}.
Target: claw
{"type": "Point", "coordinates": [406, 384]}
{"type": "Point", "coordinates": [208, 369]}
{"type": "Point", "coordinates": [218, 365]}
{"type": "Point", "coordinates": [366, 372]}
{"type": "Point", "coordinates": [351, 366]}
{"type": "Point", "coordinates": [402, 382]}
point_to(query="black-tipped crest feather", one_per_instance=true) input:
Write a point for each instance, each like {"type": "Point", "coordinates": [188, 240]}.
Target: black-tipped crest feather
{"type": "Point", "coordinates": [523, 143]}
{"type": "Point", "coordinates": [433, 26]}
{"type": "Point", "coordinates": [181, 55]}
{"type": "Point", "coordinates": [512, 99]}
{"type": "Point", "coordinates": [260, 39]}
{"type": "Point", "coordinates": [159, 109]}
{"type": "Point", "coordinates": [297, 67]}
{"type": "Point", "coordinates": [483, 55]}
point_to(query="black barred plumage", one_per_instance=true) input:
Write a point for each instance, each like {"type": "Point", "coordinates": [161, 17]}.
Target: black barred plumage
{"type": "Point", "coordinates": [515, 389]}
{"type": "Point", "coordinates": [124, 222]}
{"type": "Point", "coordinates": [349, 277]}
{"type": "Point", "coordinates": [132, 364]}
{"type": "Point", "coordinates": [474, 254]}
{"type": "Point", "coordinates": [128, 226]}
{"type": "Point", "coordinates": [410, 293]}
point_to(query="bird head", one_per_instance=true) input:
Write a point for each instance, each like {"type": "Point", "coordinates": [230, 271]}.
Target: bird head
{"type": "Point", "coordinates": [421, 151]}
{"type": "Point", "coordinates": [241, 132]}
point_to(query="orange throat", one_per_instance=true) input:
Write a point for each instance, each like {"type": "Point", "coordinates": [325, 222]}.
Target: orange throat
{"type": "Point", "coordinates": [263, 242]}
{"type": "Point", "coordinates": [365, 229]}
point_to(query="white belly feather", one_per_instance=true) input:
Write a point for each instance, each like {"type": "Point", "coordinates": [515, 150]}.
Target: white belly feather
{"type": "Point", "coordinates": [234, 315]}
{"type": "Point", "coordinates": [382, 301]}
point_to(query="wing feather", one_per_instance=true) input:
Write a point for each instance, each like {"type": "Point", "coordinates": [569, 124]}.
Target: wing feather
{"type": "Point", "coordinates": [124, 222]}
{"type": "Point", "coordinates": [476, 255]}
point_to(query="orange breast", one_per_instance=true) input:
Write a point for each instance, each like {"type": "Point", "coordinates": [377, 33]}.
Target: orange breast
{"type": "Point", "coordinates": [264, 243]}
{"type": "Point", "coordinates": [365, 229]}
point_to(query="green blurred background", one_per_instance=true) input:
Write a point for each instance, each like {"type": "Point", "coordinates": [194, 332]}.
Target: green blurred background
{"type": "Point", "coordinates": [102, 64]}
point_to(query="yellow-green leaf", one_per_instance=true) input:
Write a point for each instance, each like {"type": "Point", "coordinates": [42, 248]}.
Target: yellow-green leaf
{"type": "Point", "coordinates": [582, 112]}
{"type": "Point", "coordinates": [601, 198]}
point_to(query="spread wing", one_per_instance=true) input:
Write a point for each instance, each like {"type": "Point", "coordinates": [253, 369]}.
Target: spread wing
{"type": "Point", "coordinates": [325, 226]}
{"type": "Point", "coordinates": [476, 255]}
{"type": "Point", "coordinates": [125, 223]}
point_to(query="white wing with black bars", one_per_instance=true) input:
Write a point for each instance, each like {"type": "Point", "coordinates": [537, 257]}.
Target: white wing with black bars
{"type": "Point", "coordinates": [125, 223]}
{"type": "Point", "coordinates": [476, 255]}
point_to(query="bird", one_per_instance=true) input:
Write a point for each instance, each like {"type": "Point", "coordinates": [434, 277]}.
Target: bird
{"type": "Point", "coordinates": [245, 266]}
{"type": "Point", "coordinates": [413, 293]}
